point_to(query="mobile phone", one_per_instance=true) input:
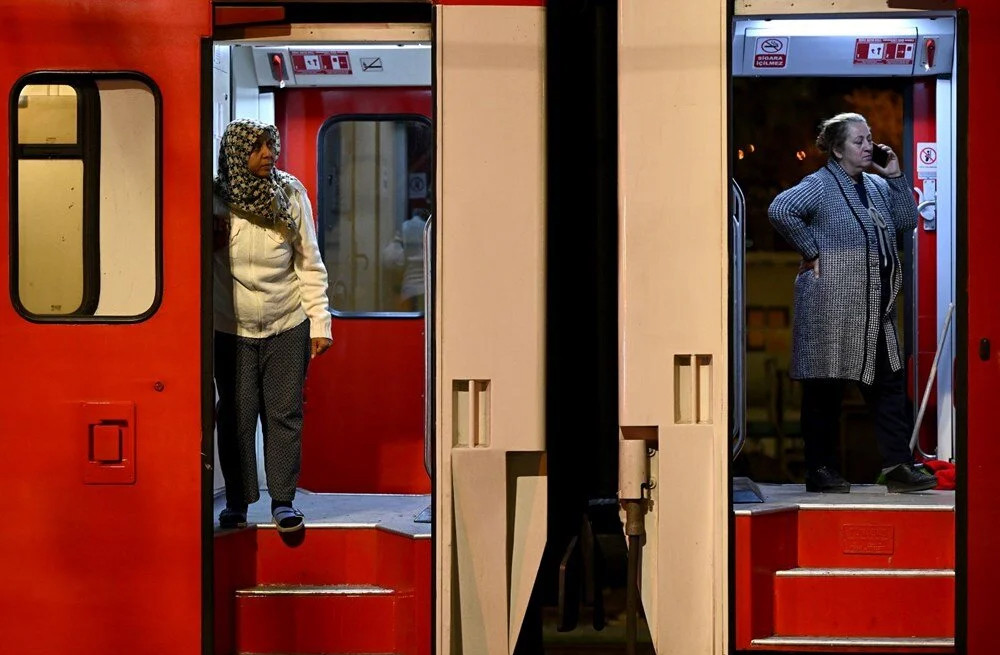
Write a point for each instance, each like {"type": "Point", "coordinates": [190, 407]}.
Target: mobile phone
{"type": "Point", "coordinates": [880, 155]}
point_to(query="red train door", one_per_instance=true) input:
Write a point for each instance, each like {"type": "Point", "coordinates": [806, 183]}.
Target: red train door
{"type": "Point", "coordinates": [365, 154]}
{"type": "Point", "coordinates": [978, 331]}
{"type": "Point", "coordinates": [104, 539]}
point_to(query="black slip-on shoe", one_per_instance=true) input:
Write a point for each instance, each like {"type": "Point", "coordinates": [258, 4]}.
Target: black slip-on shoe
{"type": "Point", "coordinates": [826, 480]}
{"type": "Point", "coordinates": [231, 519]}
{"type": "Point", "coordinates": [904, 479]}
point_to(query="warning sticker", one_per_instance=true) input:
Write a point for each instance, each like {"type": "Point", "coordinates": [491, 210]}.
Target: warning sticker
{"type": "Point", "coordinates": [927, 157]}
{"type": "Point", "coordinates": [884, 51]}
{"type": "Point", "coordinates": [321, 63]}
{"type": "Point", "coordinates": [771, 52]}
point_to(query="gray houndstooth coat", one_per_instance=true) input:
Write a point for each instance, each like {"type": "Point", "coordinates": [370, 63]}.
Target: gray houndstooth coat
{"type": "Point", "coordinates": [838, 314]}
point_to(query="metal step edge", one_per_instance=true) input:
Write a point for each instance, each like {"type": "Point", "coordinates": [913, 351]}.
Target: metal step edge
{"type": "Point", "coordinates": [313, 590]}
{"type": "Point", "coordinates": [865, 573]}
{"type": "Point", "coordinates": [858, 642]}
{"type": "Point", "coordinates": [746, 509]}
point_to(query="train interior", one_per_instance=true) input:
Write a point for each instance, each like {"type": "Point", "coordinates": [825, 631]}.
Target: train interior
{"type": "Point", "coordinates": [354, 119]}
{"type": "Point", "coordinates": [868, 571]}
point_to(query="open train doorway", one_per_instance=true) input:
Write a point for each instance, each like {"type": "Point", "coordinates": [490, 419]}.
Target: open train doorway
{"type": "Point", "coordinates": [808, 552]}
{"type": "Point", "coordinates": [352, 104]}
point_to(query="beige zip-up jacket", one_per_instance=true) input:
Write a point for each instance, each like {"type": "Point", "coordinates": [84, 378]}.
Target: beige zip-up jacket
{"type": "Point", "coordinates": [265, 282]}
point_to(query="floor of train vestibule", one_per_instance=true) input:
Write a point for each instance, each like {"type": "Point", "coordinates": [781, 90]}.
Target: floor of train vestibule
{"type": "Point", "coordinates": [783, 496]}
{"type": "Point", "coordinates": [394, 512]}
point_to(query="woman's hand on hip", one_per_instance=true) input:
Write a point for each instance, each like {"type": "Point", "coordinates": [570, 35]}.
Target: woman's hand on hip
{"type": "Point", "coordinates": [318, 346]}
{"type": "Point", "coordinates": [810, 264]}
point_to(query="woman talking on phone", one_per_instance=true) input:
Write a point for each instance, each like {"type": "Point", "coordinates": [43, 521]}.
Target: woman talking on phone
{"type": "Point", "coordinates": [844, 222]}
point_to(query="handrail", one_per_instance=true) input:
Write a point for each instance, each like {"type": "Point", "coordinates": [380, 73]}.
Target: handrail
{"type": "Point", "coordinates": [930, 379]}
{"type": "Point", "coordinates": [428, 342]}
{"type": "Point", "coordinates": [738, 327]}
{"type": "Point", "coordinates": [915, 284]}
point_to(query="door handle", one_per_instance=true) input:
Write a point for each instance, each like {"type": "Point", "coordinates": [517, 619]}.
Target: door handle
{"type": "Point", "coordinates": [109, 440]}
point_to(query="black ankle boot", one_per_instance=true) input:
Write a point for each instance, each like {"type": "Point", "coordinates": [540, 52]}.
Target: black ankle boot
{"type": "Point", "coordinates": [826, 480]}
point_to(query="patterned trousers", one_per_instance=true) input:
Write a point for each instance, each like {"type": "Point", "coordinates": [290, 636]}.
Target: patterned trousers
{"type": "Point", "coordinates": [260, 377]}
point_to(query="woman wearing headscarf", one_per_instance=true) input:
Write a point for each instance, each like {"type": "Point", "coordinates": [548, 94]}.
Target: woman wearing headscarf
{"type": "Point", "coordinates": [271, 318]}
{"type": "Point", "coordinates": [843, 222]}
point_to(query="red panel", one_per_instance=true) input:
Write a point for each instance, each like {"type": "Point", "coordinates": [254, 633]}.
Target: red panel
{"type": "Point", "coordinates": [876, 539]}
{"type": "Point", "coordinates": [235, 568]}
{"type": "Point", "coordinates": [925, 130]}
{"type": "Point", "coordinates": [297, 623]}
{"type": "Point", "coordinates": [765, 543]}
{"type": "Point", "coordinates": [364, 426]}
{"type": "Point", "coordinates": [423, 564]}
{"type": "Point", "coordinates": [983, 321]}
{"type": "Point", "coordinates": [859, 606]}
{"type": "Point", "coordinates": [96, 569]}
{"type": "Point", "coordinates": [325, 556]}
{"type": "Point", "coordinates": [248, 15]}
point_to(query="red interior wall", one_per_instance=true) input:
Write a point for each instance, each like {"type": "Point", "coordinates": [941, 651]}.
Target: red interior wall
{"type": "Point", "coordinates": [925, 130]}
{"type": "Point", "coordinates": [364, 421]}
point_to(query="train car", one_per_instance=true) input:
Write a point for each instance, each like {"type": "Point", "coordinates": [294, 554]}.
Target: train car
{"type": "Point", "coordinates": [451, 414]}
{"type": "Point", "coordinates": [807, 575]}
{"type": "Point", "coordinates": [114, 119]}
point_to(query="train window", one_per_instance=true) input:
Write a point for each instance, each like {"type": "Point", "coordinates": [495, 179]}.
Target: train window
{"type": "Point", "coordinates": [47, 114]}
{"type": "Point", "coordinates": [84, 212]}
{"type": "Point", "coordinates": [374, 201]}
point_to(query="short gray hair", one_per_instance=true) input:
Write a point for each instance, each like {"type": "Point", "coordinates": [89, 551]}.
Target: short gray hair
{"type": "Point", "coordinates": [833, 131]}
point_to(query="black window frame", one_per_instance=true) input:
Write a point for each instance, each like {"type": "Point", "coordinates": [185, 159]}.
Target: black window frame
{"type": "Point", "coordinates": [321, 193]}
{"type": "Point", "coordinates": [88, 150]}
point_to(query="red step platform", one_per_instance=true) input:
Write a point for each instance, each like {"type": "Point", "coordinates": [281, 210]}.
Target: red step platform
{"type": "Point", "coordinates": [866, 572]}
{"type": "Point", "coordinates": [339, 586]}
{"type": "Point", "coordinates": [323, 619]}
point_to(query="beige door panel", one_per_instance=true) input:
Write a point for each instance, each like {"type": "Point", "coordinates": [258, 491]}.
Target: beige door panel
{"type": "Point", "coordinates": [490, 323]}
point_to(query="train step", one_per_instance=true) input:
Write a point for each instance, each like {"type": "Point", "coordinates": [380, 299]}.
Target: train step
{"type": "Point", "coordinates": [866, 537]}
{"type": "Point", "coordinates": [865, 602]}
{"type": "Point", "coordinates": [314, 619]}
{"type": "Point", "coordinates": [861, 572]}
{"type": "Point", "coordinates": [337, 555]}
{"type": "Point", "coordinates": [856, 644]}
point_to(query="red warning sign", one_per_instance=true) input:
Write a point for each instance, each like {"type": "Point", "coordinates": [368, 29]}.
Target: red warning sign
{"type": "Point", "coordinates": [771, 52]}
{"type": "Point", "coordinates": [884, 51]}
{"type": "Point", "coordinates": [321, 63]}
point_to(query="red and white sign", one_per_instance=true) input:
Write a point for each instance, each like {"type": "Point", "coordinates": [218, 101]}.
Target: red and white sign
{"type": "Point", "coordinates": [321, 63]}
{"type": "Point", "coordinates": [884, 51]}
{"type": "Point", "coordinates": [771, 52]}
{"type": "Point", "coordinates": [927, 156]}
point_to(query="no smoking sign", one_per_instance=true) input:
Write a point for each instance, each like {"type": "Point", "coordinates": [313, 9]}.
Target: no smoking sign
{"type": "Point", "coordinates": [927, 156]}
{"type": "Point", "coordinates": [771, 52]}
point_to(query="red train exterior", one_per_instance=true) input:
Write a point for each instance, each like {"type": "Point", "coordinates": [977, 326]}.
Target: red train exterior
{"type": "Point", "coordinates": [93, 567]}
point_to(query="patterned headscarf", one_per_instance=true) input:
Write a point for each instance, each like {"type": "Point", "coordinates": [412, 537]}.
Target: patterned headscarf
{"type": "Point", "coordinates": [263, 197]}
